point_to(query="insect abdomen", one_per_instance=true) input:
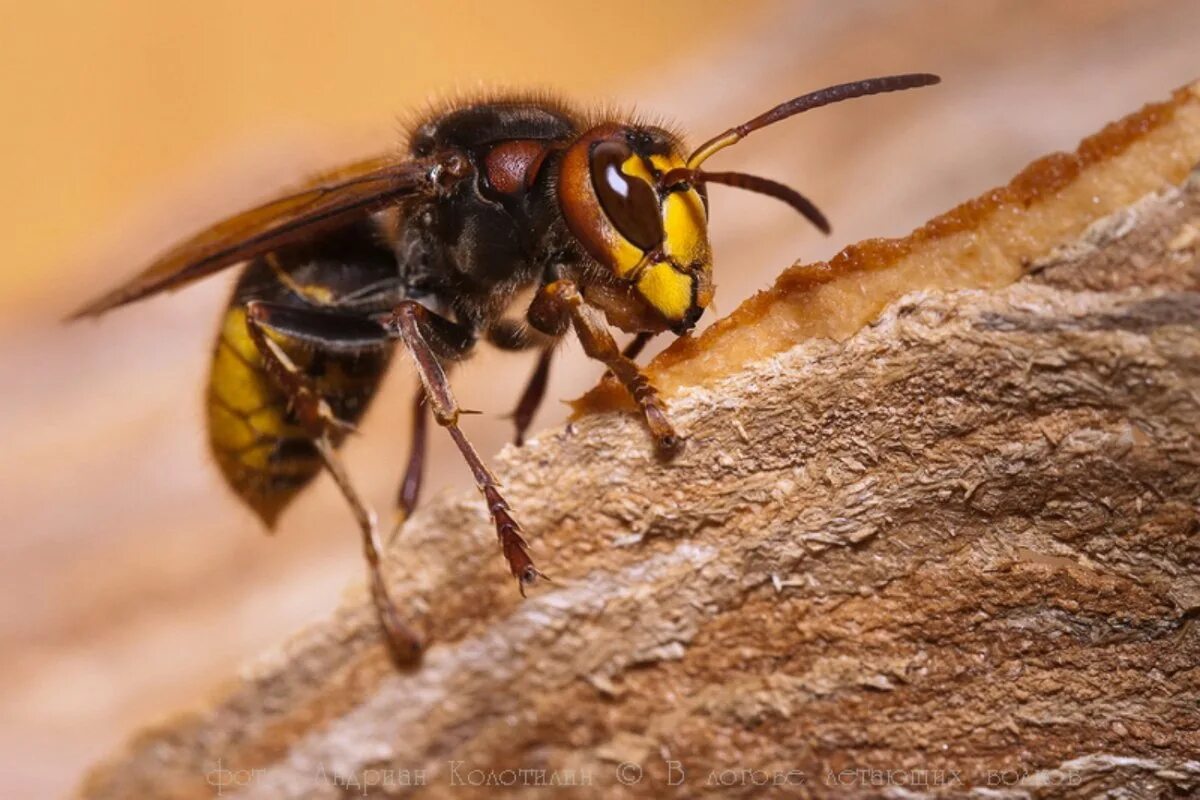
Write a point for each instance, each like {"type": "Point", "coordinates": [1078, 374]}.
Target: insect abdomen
{"type": "Point", "coordinates": [265, 456]}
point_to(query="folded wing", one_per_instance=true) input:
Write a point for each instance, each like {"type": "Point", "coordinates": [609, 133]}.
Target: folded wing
{"type": "Point", "coordinates": [328, 201]}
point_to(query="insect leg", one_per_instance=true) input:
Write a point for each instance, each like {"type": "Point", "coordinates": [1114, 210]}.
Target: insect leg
{"type": "Point", "coordinates": [404, 644]}
{"type": "Point", "coordinates": [634, 348]}
{"type": "Point", "coordinates": [512, 335]}
{"type": "Point", "coordinates": [414, 323]}
{"type": "Point", "coordinates": [410, 484]}
{"type": "Point", "coordinates": [535, 390]}
{"type": "Point", "coordinates": [561, 301]}
{"type": "Point", "coordinates": [531, 398]}
{"type": "Point", "coordinates": [317, 329]}
{"type": "Point", "coordinates": [636, 345]}
{"type": "Point", "coordinates": [341, 333]}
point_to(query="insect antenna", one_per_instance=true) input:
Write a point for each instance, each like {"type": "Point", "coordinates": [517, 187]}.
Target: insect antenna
{"type": "Point", "coordinates": [751, 183]}
{"type": "Point", "coordinates": [806, 102]}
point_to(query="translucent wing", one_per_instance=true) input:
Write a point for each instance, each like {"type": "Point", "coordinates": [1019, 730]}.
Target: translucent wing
{"type": "Point", "coordinates": [328, 201]}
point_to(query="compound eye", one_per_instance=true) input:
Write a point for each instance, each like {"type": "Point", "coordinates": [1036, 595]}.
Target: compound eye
{"type": "Point", "coordinates": [630, 203]}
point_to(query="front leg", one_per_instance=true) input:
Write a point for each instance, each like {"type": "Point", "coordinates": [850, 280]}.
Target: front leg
{"type": "Point", "coordinates": [560, 304]}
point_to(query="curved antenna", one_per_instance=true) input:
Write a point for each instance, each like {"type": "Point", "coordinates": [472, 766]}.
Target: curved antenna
{"type": "Point", "coordinates": [751, 183]}
{"type": "Point", "coordinates": [805, 102]}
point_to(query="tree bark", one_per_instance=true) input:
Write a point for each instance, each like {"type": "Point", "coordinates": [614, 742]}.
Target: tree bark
{"type": "Point", "coordinates": [953, 552]}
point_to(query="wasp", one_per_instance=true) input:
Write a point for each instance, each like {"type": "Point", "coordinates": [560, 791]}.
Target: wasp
{"type": "Point", "coordinates": [605, 221]}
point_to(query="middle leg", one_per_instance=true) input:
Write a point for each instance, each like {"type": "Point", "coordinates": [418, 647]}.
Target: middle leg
{"type": "Point", "coordinates": [416, 326]}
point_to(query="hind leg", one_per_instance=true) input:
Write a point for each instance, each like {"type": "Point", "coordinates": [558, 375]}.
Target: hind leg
{"type": "Point", "coordinates": [339, 333]}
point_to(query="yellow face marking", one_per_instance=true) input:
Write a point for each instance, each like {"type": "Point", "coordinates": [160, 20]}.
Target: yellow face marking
{"type": "Point", "coordinates": [665, 164]}
{"type": "Point", "coordinates": [686, 228]}
{"type": "Point", "coordinates": [684, 222]}
{"type": "Point", "coordinates": [626, 255]}
{"type": "Point", "coordinates": [635, 167]}
{"type": "Point", "coordinates": [665, 288]}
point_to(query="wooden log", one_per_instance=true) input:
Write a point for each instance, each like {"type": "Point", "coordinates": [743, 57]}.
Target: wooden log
{"type": "Point", "coordinates": [942, 538]}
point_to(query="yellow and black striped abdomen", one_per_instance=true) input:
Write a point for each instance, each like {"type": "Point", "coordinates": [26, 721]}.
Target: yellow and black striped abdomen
{"type": "Point", "coordinates": [265, 456]}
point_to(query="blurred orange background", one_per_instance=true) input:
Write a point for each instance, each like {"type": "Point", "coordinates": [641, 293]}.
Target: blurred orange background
{"type": "Point", "coordinates": [132, 580]}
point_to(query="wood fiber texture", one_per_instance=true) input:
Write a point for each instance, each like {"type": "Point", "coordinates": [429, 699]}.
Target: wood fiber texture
{"type": "Point", "coordinates": [956, 553]}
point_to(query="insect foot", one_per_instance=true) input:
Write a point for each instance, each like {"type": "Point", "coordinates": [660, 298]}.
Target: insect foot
{"type": "Point", "coordinates": [666, 438]}
{"type": "Point", "coordinates": [512, 543]}
{"type": "Point", "coordinates": [403, 644]}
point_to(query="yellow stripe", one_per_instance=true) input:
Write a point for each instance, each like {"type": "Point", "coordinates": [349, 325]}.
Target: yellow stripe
{"type": "Point", "coordinates": [665, 288]}
{"type": "Point", "coordinates": [686, 228]}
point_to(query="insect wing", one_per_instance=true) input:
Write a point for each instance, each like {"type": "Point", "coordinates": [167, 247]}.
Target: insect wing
{"type": "Point", "coordinates": [328, 201]}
